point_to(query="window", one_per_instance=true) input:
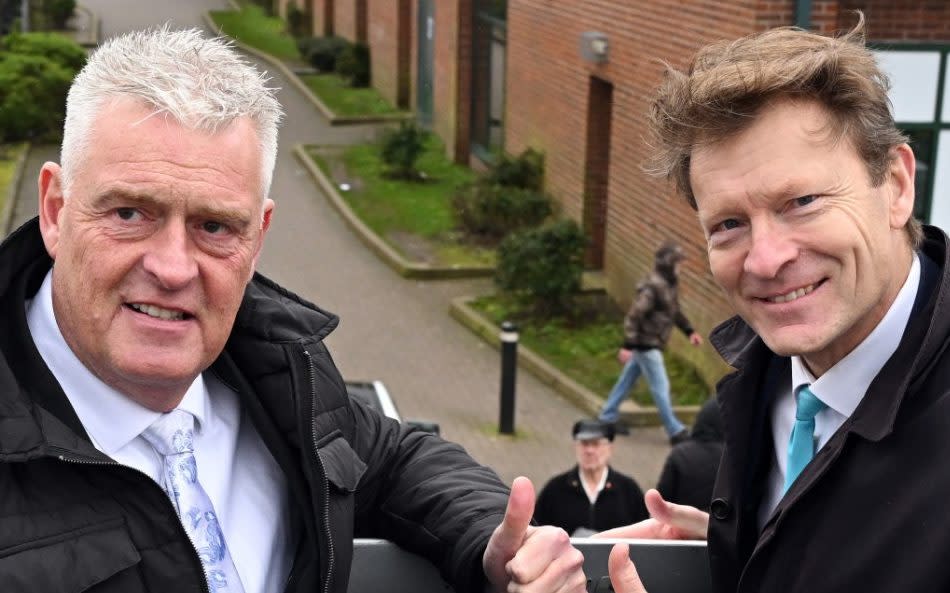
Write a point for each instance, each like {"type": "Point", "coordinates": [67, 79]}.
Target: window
{"type": "Point", "coordinates": [488, 77]}
{"type": "Point", "coordinates": [920, 95]}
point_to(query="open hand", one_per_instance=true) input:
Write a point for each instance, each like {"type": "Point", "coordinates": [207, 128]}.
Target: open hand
{"type": "Point", "coordinates": [667, 521]}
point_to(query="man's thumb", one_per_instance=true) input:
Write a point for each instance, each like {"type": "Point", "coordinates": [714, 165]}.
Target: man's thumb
{"type": "Point", "coordinates": [518, 514]}
{"type": "Point", "coordinates": [623, 575]}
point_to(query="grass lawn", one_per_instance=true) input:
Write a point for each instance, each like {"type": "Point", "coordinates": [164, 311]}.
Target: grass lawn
{"type": "Point", "coordinates": [586, 350]}
{"type": "Point", "coordinates": [343, 100]}
{"type": "Point", "coordinates": [252, 26]}
{"type": "Point", "coordinates": [414, 217]}
{"type": "Point", "coordinates": [9, 153]}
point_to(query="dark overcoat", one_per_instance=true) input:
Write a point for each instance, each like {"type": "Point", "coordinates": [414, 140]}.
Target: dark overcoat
{"type": "Point", "coordinates": [869, 513]}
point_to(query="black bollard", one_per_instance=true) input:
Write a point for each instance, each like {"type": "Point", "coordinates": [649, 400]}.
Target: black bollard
{"type": "Point", "coordinates": [509, 363]}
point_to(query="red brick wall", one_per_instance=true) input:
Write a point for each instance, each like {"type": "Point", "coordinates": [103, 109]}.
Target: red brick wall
{"type": "Point", "coordinates": [547, 105]}
{"type": "Point", "coordinates": [900, 20]}
{"type": "Point", "coordinates": [389, 29]}
{"type": "Point", "coordinates": [452, 73]}
{"type": "Point", "coordinates": [321, 17]}
{"type": "Point", "coordinates": [350, 19]}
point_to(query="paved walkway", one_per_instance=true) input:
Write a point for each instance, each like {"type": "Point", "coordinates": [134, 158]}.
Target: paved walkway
{"type": "Point", "coordinates": [391, 329]}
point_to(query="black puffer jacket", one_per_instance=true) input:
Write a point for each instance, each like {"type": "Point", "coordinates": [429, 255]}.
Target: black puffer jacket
{"type": "Point", "coordinates": [74, 520]}
{"type": "Point", "coordinates": [690, 470]}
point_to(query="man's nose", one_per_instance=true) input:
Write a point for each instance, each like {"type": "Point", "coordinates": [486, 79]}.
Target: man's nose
{"type": "Point", "coordinates": [771, 248]}
{"type": "Point", "coordinates": [170, 259]}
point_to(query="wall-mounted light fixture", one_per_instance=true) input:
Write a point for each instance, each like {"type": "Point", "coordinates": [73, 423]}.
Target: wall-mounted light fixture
{"type": "Point", "coordinates": [594, 46]}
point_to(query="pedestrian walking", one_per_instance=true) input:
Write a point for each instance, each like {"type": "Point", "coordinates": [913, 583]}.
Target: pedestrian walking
{"type": "Point", "coordinates": [647, 327]}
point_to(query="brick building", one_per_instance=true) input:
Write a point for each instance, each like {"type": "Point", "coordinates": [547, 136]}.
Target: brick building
{"type": "Point", "coordinates": [573, 78]}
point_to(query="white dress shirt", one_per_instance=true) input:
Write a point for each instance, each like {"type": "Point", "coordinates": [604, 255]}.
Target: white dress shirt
{"type": "Point", "coordinates": [593, 493]}
{"type": "Point", "coordinates": [841, 388]}
{"type": "Point", "coordinates": [242, 479]}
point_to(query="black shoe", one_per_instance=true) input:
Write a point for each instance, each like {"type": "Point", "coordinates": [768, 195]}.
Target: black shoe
{"type": "Point", "coordinates": [679, 437]}
{"type": "Point", "coordinates": [621, 428]}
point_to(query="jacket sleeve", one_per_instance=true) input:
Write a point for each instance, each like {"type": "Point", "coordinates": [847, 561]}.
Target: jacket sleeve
{"type": "Point", "coordinates": [683, 323]}
{"type": "Point", "coordinates": [543, 508]}
{"type": "Point", "coordinates": [427, 495]}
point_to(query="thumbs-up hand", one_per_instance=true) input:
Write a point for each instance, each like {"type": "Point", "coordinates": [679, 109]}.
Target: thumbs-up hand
{"type": "Point", "coordinates": [522, 558]}
{"type": "Point", "coordinates": [623, 575]}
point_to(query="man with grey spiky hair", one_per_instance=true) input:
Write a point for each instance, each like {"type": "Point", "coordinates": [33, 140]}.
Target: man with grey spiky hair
{"type": "Point", "coordinates": [171, 420]}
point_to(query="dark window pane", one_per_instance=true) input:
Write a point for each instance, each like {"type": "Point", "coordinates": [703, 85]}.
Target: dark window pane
{"type": "Point", "coordinates": [921, 140]}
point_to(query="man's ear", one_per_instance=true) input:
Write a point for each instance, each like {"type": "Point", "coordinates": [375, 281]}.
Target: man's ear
{"type": "Point", "coordinates": [50, 184]}
{"type": "Point", "coordinates": [901, 184]}
{"type": "Point", "coordinates": [267, 212]}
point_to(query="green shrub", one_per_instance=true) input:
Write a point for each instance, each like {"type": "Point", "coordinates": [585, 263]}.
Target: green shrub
{"type": "Point", "coordinates": [60, 49]}
{"type": "Point", "coordinates": [32, 96]}
{"type": "Point", "coordinates": [506, 199]}
{"type": "Point", "coordinates": [543, 266]}
{"type": "Point", "coordinates": [400, 148]}
{"type": "Point", "coordinates": [322, 52]}
{"type": "Point", "coordinates": [494, 211]}
{"type": "Point", "coordinates": [525, 170]}
{"type": "Point", "coordinates": [58, 12]}
{"type": "Point", "coordinates": [353, 65]}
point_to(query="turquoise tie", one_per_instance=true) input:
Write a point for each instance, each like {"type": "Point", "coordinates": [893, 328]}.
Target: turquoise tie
{"type": "Point", "coordinates": [801, 446]}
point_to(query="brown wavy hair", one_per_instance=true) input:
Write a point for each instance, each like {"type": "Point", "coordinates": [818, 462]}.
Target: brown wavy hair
{"type": "Point", "coordinates": [728, 83]}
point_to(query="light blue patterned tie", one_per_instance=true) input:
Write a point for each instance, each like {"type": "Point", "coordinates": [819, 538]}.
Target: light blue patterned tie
{"type": "Point", "coordinates": [801, 445]}
{"type": "Point", "coordinates": [172, 436]}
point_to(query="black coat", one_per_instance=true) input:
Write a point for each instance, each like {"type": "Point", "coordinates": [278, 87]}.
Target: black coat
{"type": "Point", "coordinates": [564, 503]}
{"type": "Point", "coordinates": [71, 518]}
{"type": "Point", "coordinates": [869, 512]}
{"type": "Point", "coordinates": [690, 469]}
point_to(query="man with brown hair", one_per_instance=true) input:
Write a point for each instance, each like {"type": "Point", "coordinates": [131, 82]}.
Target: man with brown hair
{"type": "Point", "coordinates": [837, 416]}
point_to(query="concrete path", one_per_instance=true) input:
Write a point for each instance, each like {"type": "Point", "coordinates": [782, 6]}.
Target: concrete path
{"type": "Point", "coordinates": [391, 329]}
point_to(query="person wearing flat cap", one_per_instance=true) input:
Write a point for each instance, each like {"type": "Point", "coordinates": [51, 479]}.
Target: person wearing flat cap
{"type": "Point", "coordinates": [592, 496]}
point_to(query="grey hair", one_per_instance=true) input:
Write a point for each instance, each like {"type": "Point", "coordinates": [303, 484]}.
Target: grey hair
{"type": "Point", "coordinates": [202, 83]}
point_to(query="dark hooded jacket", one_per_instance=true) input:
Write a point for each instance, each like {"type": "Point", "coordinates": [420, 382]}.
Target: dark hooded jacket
{"type": "Point", "coordinates": [655, 307]}
{"type": "Point", "coordinates": [690, 469]}
{"type": "Point", "coordinates": [868, 513]}
{"type": "Point", "coordinates": [74, 520]}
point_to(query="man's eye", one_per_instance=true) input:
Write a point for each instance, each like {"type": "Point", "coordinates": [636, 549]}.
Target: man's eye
{"type": "Point", "coordinates": [212, 227]}
{"type": "Point", "coordinates": [728, 224]}
{"type": "Point", "coordinates": [125, 213]}
{"type": "Point", "coordinates": [805, 200]}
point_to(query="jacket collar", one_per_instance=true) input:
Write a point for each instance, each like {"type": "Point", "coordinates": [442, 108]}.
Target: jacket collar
{"type": "Point", "coordinates": [923, 340]}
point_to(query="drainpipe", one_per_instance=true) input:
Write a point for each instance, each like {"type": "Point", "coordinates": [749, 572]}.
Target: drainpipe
{"type": "Point", "coordinates": [803, 14]}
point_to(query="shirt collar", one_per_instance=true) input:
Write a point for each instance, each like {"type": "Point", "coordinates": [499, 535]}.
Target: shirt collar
{"type": "Point", "coordinates": [111, 419]}
{"type": "Point", "coordinates": [843, 386]}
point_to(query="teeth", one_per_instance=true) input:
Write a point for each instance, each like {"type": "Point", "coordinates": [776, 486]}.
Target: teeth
{"type": "Point", "coordinates": [795, 294]}
{"type": "Point", "coordinates": [158, 312]}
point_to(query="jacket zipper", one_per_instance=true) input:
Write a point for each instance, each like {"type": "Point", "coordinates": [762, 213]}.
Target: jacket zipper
{"type": "Point", "coordinates": [325, 516]}
{"type": "Point", "coordinates": [181, 528]}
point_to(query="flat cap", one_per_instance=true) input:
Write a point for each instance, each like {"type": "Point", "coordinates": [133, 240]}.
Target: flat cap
{"type": "Point", "coordinates": [592, 429]}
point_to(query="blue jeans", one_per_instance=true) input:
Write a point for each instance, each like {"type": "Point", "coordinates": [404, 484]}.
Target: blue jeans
{"type": "Point", "coordinates": [650, 363]}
